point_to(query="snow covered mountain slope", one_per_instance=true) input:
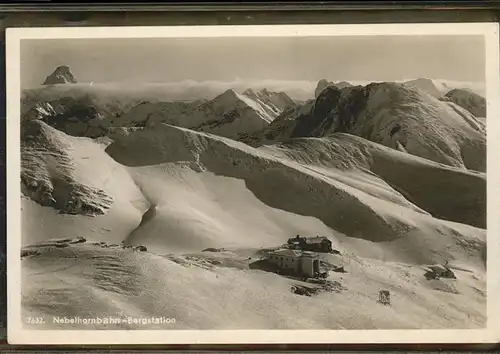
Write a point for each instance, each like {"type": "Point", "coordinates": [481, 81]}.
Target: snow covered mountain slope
{"type": "Point", "coordinates": [205, 291]}
{"type": "Point", "coordinates": [178, 191]}
{"type": "Point", "coordinates": [391, 114]}
{"type": "Point", "coordinates": [425, 85]}
{"type": "Point", "coordinates": [435, 192]}
{"type": "Point", "coordinates": [393, 176]}
{"type": "Point", "coordinates": [67, 181]}
{"type": "Point", "coordinates": [47, 164]}
{"type": "Point", "coordinates": [193, 185]}
{"type": "Point", "coordinates": [333, 196]}
{"type": "Point", "coordinates": [276, 101]}
{"type": "Point", "coordinates": [230, 100]}
{"type": "Point", "coordinates": [230, 114]}
{"type": "Point", "coordinates": [468, 100]}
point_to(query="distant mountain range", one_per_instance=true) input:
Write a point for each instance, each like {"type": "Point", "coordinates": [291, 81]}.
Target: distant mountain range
{"type": "Point", "coordinates": [402, 116]}
{"type": "Point", "coordinates": [230, 114]}
{"type": "Point", "coordinates": [189, 90]}
{"type": "Point", "coordinates": [453, 92]}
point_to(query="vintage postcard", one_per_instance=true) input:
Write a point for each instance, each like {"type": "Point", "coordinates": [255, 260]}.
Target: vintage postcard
{"type": "Point", "coordinates": [253, 184]}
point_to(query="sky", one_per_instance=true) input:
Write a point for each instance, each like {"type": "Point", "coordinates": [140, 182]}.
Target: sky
{"type": "Point", "coordinates": [375, 58]}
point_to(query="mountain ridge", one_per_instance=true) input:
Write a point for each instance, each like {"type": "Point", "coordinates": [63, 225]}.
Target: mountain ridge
{"type": "Point", "coordinates": [393, 115]}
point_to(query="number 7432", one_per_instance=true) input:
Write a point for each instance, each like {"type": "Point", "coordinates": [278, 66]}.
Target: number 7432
{"type": "Point", "coordinates": [35, 320]}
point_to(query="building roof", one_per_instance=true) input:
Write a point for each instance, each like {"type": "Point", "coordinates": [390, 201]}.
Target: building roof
{"type": "Point", "coordinates": [437, 268]}
{"type": "Point", "coordinates": [292, 253]}
{"type": "Point", "coordinates": [317, 239]}
{"type": "Point", "coordinates": [287, 253]}
{"type": "Point", "coordinates": [309, 254]}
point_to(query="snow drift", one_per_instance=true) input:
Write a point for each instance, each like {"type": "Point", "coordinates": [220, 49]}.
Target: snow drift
{"type": "Point", "coordinates": [101, 281]}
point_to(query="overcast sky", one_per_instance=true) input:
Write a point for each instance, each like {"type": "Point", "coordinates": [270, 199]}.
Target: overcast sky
{"type": "Point", "coordinates": [388, 58]}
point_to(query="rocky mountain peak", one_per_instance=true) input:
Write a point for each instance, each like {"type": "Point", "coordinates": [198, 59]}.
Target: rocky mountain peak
{"type": "Point", "coordinates": [249, 92]}
{"type": "Point", "coordinates": [228, 93]}
{"type": "Point", "coordinates": [425, 85]}
{"type": "Point", "coordinates": [61, 75]}
{"type": "Point", "coordinates": [322, 84]}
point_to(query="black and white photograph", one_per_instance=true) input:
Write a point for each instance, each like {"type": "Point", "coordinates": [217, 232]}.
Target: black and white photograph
{"type": "Point", "coordinates": [252, 178]}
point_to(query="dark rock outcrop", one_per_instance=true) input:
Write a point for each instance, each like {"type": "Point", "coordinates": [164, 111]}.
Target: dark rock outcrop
{"type": "Point", "coordinates": [323, 83]}
{"type": "Point", "coordinates": [468, 100]}
{"type": "Point", "coordinates": [73, 116]}
{"type": "Point", "coordinates": [48, 173]}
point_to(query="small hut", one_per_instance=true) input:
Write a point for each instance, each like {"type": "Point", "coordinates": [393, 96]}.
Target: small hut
{"type": "Point", "coordinates": [438, 271]}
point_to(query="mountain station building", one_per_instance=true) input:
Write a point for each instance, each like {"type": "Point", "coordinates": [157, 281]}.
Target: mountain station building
{"type": "Point", "coordinates": [313, 244]}
{"type": "Point", "coordinates": [295, 262]}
